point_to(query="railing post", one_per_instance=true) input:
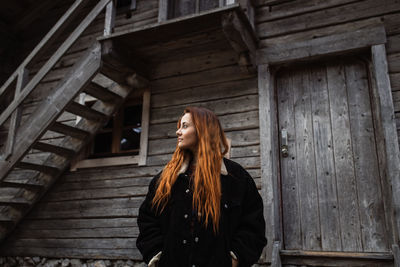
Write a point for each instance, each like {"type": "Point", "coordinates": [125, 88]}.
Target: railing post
{"type": "Point", "coordinates": [23, 75]}
{"type": "Point", "coordinates": [110, 17]}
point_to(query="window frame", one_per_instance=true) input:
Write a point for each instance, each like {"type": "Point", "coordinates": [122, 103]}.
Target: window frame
{"type": "Point", "coordinates": [139, 159]}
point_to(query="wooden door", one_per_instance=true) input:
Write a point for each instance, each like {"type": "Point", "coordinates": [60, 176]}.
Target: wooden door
{"type": "Point", "coordinates": [330, 182]}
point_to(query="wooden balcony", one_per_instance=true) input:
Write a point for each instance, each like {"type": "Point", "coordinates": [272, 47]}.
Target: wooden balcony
{"type": "Point", "coordinates": [142, 48]}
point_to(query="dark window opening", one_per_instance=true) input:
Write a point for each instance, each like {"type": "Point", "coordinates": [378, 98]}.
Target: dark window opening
{"type": "Point", "coordinates": [121, 135]}
{"type": "Point", "coordinates": [178, 8]}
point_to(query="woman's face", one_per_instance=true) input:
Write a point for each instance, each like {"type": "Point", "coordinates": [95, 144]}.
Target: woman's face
{"type": "Point", "coordinates": [187, 137]}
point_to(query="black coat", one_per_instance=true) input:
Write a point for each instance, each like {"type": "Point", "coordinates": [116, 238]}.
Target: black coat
{"type": "Point", "coordinates": [184, 241]}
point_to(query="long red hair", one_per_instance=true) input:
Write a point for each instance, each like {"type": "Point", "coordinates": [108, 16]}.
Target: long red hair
{"type": "Point", "coordinates": [211, 148]}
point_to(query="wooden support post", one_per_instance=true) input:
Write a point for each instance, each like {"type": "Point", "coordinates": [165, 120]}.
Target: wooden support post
{"type": "Point", "coordinates": [242, 39]}
{"type": "Point", "coordinates": [396, 255]}
{"type": "Point", "coordinates": [23, 76]}
{"type": "Point", "coordinates": [110, 18]}
{"type": "Point", "coordinates": [382, 80]}
{"type": "Point", "coordinates": [251, 13]}
{"type": "Point", "coordinates": [276, 258]}
{"type": "Point", "coordinates": [162, 10]}
{"type": "Point", "coordinates": [145, 127]}
{"type": "Point", "coordinates": [269, 156]}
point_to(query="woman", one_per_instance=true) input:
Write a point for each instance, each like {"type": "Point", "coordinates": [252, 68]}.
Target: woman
{"type": "Point", "coordinates": [202, 209]}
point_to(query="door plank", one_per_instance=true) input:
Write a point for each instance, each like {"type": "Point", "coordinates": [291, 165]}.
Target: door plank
{"type": "Point", "coordinates": [366, 169]}
{"type": "Point", "coordinates": [325, 171]}
{"type": "Point", "coordinates": [343, 157]}
{"type": "Point", "coordinates": [306, 170]}
{"type": "Point", "coordinates": [290, 193]}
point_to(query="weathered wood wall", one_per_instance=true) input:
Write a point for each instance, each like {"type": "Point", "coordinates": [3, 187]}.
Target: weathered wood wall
{"type": "Point", "coordinates": [92, 212]}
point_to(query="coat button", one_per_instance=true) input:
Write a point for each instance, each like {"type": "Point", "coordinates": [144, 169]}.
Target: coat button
{"type": "Point", "coordinates": [196, 239]}
{"type": "Point", "coordinates": [186, 216]}
{"type": "Point", "coordinates": [184, 241]}
{"type": "Point", "coordinates": [226, 206]}
{"type": "Point", "coordinates": [187, 191]}
{"type": "Point", "coordinates": [199, 214]}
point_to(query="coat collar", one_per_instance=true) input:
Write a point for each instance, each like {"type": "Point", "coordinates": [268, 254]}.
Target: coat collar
{"type": "Point", "coordinates": [186, 162]}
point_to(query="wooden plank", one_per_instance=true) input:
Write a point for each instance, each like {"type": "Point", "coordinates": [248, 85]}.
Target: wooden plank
{"type": "Point", "coordinates": [292, 8]}
{"type": "Point", "coordinates": [219, 75]}
{"type": "Point", "coordinates": [229, 122]}
{"type": "Point", "coordinates": [162, 10]}
{"type": "Point", "coordinates": [205, 93]}
{"type": "Point", "coordinates": [76, 224]}
{"type": "Point", "coordinates": [192, 62]}
{"type": "Point", "coordinates": [291, 217]}
{"type": "Point", "coordinates": [82, 253]}
{"type": "Point", "coordinates": [54, 149]}
{"type": "Point", "coordinates": [268, 156]}
{"type": "Point", "coordinates": [276, 258]}
{"type": "Point", "coordinates": [388, 125]}
{"type": "Point", "coordinates": [396, 255]}
{"type": "Point", "coordinates": [68, 130]}
{"type": "Point", "coordinates": [93, 243]}
{"type": "Point", "coordinates": [101, 93]}
{"type": "Point", "coordinates": [220, 107]}
{"type": "Point", "coordinates": [103, 162]}
{"type": "Point", "coordinates": [350, 230]}
{"type": "Point", "coordinates": [109, 23]}
{"type": "Point", "coordinates": [85, 112]}
{"type": "Point", "coordinates": [366, 166]}
{"type": "Point", "coordinates": [341, 42]}
{"type": "Point", "coordinates": [15, 120]}
{"type": "Point", "coordinates": [326, 17]}
{"type": "Point", "coordinates": [64, 185]}
{"type": "Point", "coordinates": [98, 193]}
{"type": "Point", "coordinates": [324, 161]}
{"type": "Point", "coordinates": [112, 208]}
{"type": "Point", "coordinates": [306, 165]}
{"type": "Point", "coordinates": [41, 168]}
{"type": "Point", "coordinates": [144, 135]}
{"type": "Point", "coordinates": [98, 233]}
{"type": "Point", "coordinates": [52, 61]}
{"type": "Point", "coordinates": [239, 138]}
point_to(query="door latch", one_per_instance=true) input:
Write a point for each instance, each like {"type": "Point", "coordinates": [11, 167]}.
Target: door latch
{"type": "Point", "coordinates": [284, 146]}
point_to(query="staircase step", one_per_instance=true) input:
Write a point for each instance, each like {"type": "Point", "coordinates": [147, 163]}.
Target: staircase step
{"type": "Point", "coordinates": [85, 112]}
{"type": "Point", "coordinates": [68, 130]}
{"type": "Point", "coordinates": [6, 219]}
{"type": "Point", "coordinates": [102, 93]}
{"type": "Point", "coordinates": [29, 186]}
{"type": "Point", "coordinates": [15, 202]}
{"type": "Point", "coordinates": [62, 151]}
{"type": "Point", "coordinates": [41, 168]}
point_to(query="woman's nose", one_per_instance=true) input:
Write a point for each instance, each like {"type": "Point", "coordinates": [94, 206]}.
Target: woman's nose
{"type": "Point", "coordinates": [178, 132]}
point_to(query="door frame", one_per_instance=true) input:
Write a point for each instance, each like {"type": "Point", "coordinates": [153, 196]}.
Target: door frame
{"type": "Point", "coordinates": [371, 39]}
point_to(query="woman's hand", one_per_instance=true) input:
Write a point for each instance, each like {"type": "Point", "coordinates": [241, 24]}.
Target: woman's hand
{"type": "Point", "coordinates": [235, 263]}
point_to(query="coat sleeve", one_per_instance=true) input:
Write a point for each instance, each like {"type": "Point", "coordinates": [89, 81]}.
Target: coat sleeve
{"type": "Point", "coordinates": [249, 238]}
{"type": "Point", "coordinates": [150, 239]}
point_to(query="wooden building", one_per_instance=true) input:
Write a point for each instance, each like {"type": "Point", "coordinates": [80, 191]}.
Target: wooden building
{"type": "Point", "coordinates": [308, 93]}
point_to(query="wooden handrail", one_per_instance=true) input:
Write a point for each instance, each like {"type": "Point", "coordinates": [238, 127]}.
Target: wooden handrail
{"type": "Point", "coordinates": [51, 62]}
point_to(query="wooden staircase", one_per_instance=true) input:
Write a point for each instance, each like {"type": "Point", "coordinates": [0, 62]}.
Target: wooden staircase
{"type": "Point", "coordinates": [23, 181]}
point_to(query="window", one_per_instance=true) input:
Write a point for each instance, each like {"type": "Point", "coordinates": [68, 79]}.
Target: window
{"type": "Point", "coordinates": [123, 140]}
{"type": "Point", "coordinates": [176, 8]}
{"type": "Point", "coordinates": [121, 135]}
